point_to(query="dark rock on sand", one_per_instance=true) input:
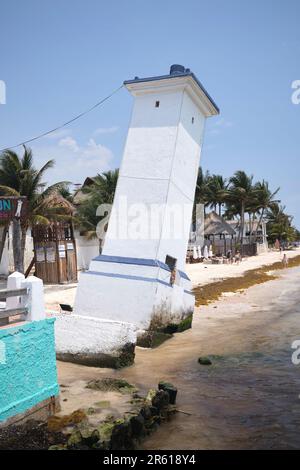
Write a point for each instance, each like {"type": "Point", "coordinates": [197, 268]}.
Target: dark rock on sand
{"type": "Point", "coordinates": [172, 391]}
{"type": "Point", "coordinates": [204, 361]}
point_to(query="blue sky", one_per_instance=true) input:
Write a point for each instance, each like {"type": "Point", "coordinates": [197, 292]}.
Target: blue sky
{"type": "Point", "coordinates": [58, 57]}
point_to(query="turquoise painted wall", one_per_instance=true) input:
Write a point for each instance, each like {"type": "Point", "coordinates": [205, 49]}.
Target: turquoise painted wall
{"type": "Point", "coordinates": [28, 372]}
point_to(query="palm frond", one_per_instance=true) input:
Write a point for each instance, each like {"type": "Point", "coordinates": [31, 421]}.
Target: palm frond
{"type": "Point", "coordinates": [39, 220]}
{"type": "Point", "coordinates": [7, 191]}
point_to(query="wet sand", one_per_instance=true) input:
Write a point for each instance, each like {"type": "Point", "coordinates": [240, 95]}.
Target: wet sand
{"type": "Point", "coordinates": [249, 397]}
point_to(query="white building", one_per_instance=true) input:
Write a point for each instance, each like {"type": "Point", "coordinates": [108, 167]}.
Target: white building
{"type": "Point", "coordinates": [255, 231]}
{"type": "Point", "coordinates": [131, 281]}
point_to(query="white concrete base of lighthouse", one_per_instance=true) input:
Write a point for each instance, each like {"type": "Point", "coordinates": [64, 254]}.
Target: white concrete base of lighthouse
{"type": "Point", "coordinates": [94, 341]}
{"type": "Point", "coordinates": [137, 291]}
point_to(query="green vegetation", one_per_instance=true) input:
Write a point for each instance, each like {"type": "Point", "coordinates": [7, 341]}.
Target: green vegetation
{"type": "Point", "coordinates": [101, 191]}
{"type": "Point", "coordinates": [111, 385]}
{"type": "Point", "coordinates": [240, 195]}
{"type": "Point", "coordinates": [19, 177]}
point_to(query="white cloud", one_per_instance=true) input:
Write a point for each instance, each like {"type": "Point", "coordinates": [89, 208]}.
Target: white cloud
{"type": "Point", "coordinates": [70, 143]}
{"type": "Point", "coordinates": [97, 150]}
{"type": "Point", "coordinates": [106, 130]}
{"type": "Point", "coordinates": [73, 162]}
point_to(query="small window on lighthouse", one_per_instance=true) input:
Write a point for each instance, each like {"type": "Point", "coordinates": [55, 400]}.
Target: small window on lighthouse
{"type": "Point", "coordinates": [193, 119]}
{"type": "Point", "coordinates": [157, 104]}
{"type": "Point", "coordinates": [171, 263]}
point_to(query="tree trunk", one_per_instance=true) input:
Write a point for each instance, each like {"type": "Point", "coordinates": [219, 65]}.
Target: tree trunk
{"type": "Point", "coordinates": [242, 225]}
{"type": "Point", "coordinates": [23, 243]}
{"type": "Point", "coordinates": [259, 222]}
{"type": "Point", "coordinates": [17, 246]}
{"type": "Point", "coordinates": [3, 239]}
{"type": "Point", "coordinates": [251, 223]}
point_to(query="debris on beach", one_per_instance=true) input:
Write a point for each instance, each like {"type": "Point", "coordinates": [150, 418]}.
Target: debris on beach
{"type": "Point", "coordinates": [111, 385]}
{"type": "Point", "coordinates": [212, 292]}
{"type": "Point", "coordinates": [57, 423]}
{"type": "Point", "coordinates": [32, 435]}
{"type": "Point", "coordinates": [80, 431]}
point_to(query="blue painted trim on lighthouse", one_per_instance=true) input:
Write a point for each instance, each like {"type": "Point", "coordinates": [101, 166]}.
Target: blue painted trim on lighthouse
{"type": "Point", "coordinates": [184, 275]}
{"type": "Point", "coordinates": [189, 292]}
{"type": "Point", "coordinates": [139, 262]}
{"type": "Point", "coordinates": [128, 260]}
{"type": "Point", "coordinates": [133, 278]}
{"type": "Point", "coordinates": [127, 276]}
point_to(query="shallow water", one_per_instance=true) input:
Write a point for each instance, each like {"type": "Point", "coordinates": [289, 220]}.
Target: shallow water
{"type": "Point", "coordinates": [249, 397]}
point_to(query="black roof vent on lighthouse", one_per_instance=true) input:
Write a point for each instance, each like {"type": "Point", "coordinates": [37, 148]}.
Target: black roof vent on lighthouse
{"type": "Point", "coordinates": [176, 68]}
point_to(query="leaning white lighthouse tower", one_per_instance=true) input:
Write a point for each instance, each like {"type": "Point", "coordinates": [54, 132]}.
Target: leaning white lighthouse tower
{"type": "Point", "coordinates": [140, 276]}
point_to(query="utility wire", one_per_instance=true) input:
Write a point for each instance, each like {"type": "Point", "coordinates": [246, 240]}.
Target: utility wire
{"type": "Point", "coordinates": [64, 124]}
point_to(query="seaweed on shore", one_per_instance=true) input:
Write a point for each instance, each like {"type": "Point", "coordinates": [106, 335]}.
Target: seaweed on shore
{"type": "Point", "coordinates": [211, 292]}
{"type": "Point", "coordinates": [32, 435]}
{"type": "Point", "coordinates": [108, 384]}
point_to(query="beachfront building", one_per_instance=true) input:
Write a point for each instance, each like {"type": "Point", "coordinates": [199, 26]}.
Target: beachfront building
{"type": "Point", "coordinates": [255, 232]}
{"type": "Point", "coordinates": [217, 235]}
{"type": "Point", "coordinates": [224, 235]}
{"type": "Point", "coordinates": [85, 248]}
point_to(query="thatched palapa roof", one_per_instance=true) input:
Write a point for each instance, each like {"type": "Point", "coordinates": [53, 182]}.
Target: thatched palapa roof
{"type": "Point", "coordinates": [57, 201]}
{"type": "Point", "coordinates": [214, 224]}
{"type": "Point", "coordinates": [79, 196]}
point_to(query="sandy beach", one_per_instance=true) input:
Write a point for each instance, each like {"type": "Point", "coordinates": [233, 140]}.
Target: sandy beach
{"type": "Point", "coordinates": [202, 274]}
{"type": "Point", "coordinates": [199, 273]}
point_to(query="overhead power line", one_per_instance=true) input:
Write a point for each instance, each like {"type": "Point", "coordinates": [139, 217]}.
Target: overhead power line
{"type": "Point", "coordinates": [64, 124]}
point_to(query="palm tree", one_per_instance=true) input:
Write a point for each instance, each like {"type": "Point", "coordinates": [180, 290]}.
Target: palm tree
{"type": "Point", "coordinates": [201, 191]}
{"type": "Point", "coordinates": [104, 186]}
{"type": "Point", "coordinates": [216, 191]}
{"type": "Point", "coordinates": [102, 191]}
{"type": "Point", "coordinates": [265, 199]}
{"type": "Point", "coordinates": [279, 224]}
{"type": "Point", "coordinates": [19, 177]}
{"type": "Point", "coordinates": [201, 187]}
{"type": "Point", "coordinates": [65, 192]}
{"type": "Point", "coordinates": [4, 226]}
{"type": "Point", "coordinates": [240, 194]}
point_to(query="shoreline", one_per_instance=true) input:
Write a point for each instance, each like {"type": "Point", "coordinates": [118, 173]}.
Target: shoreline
{"type": "Point", "coordinates": [248, 397]}
{"type": "Point", "coordinates": [212, 291]}
{"type": "Point", "coordinates": [203, 274]}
